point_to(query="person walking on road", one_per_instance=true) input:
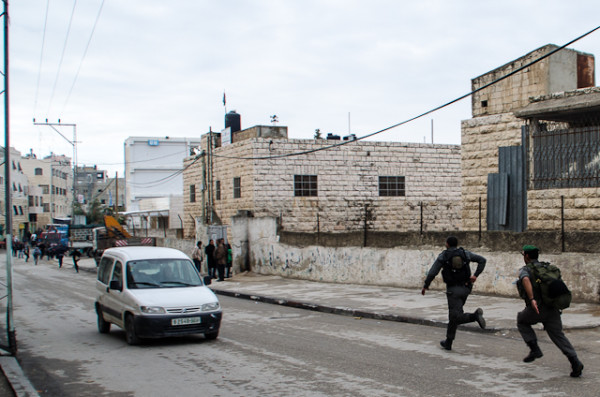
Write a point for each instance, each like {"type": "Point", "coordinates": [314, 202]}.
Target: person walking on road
{"type": "Point", "coordinates": [209, 250]}
{"type": "Point", "coordinates": [198, 256]}
{"type": "Point", "coordinates": [455, 265]}
{"type": "Point", "coordinates": [537, 312]}
{"type": "Point", "coordinates": [37, 254]}
{"type": "Point", "coordinates": [76, 256]}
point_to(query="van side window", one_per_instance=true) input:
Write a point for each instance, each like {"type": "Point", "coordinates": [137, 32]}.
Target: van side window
{"type": "Point", "coordinates": [104, 269]}
{"type": "Point", "coordinates": [118, 274]}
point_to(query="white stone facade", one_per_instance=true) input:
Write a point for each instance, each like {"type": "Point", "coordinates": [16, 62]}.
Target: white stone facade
{"type": "Point", "coordinates": [348, 185]}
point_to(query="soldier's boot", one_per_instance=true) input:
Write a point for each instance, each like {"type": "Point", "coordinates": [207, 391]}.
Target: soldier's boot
{"type": "Point", "coordinates": [576, 366]}
{"type": "Point", "coordinates": [478, 316]}
{"type": "Point", "coordinates": [446, 344]}
{"type": "Point", "coordinates": [534, 353]}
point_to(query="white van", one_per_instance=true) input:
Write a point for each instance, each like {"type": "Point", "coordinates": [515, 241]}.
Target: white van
{"type": "Point", "coordinates": [154, 292]}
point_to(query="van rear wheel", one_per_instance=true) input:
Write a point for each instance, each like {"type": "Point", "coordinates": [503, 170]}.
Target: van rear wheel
{"type": "Point", "coordinates": [130, 334]}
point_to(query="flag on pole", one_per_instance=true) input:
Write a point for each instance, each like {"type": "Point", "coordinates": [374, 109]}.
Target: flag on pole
{"type": "Point", "coordinates": [224, 100]}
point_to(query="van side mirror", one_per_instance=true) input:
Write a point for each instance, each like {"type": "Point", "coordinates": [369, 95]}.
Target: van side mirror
{"type": "Point", "coordinates": [115, 284]}
{"type": "Point", "coordinates": [207, 280]}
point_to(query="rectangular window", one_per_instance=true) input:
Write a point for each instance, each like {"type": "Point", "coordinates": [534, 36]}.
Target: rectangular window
{"type": "Point", "coordinates": [45, 189]}
{"type": "Point", "coordinates": [305, 186]}
{"type": "Point", "coordinates": [46, 207]}
{"type": "Point", "coordinates": [237, 187]}
{"type": "Point", "coordinates": [31, 201]}
{"type": "Point", "coordinates": [192, 193]}
{"type": "Point", "coordinates": [218, 190]}
{"type": "Point", "coordinates": [391, 186]}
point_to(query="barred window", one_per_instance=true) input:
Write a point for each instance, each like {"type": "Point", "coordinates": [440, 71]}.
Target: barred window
{"type": "Point", "coordinates": [391, 186]}
{"type": "Point", "coordinates": [218, 190]}
{"type": "Point", "coordinates": [237, 187]}
{"type": "Point", "coordinates": [192, 193]}
{"type": "Point", "coordinates": [566, 155]}
{"type": "Point", "coordinates": [305, 185]}
{"type": "Point", "coordinates": [39, 171]}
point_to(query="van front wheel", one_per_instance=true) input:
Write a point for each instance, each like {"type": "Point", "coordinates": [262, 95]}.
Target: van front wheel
{"type": "Point", "coordinates": [130, 334]}
{"type": "Point", "coordinates": [103, 325]}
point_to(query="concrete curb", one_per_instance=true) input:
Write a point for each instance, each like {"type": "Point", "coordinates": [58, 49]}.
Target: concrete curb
{"type": "Point", "coordinates": [17, 379]}
{"type": "Point", "coordinates": [351, 312]}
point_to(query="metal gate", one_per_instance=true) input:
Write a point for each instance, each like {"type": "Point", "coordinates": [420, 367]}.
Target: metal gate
{"type": "Point", "coordinates": [507, 192]}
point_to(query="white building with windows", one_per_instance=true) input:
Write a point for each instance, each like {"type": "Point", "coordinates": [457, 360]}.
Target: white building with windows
{"type": "Point", "coordinates": [154, 181]}
{"type": "Point", "coordinates": [19, 186]}
{"type": "Point", "coordinates": [53, 175]}
{"type": "Point", "coordinates": [389, 186]}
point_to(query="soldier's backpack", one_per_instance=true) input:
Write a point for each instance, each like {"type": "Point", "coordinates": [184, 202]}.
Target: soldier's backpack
{"type": "Point", "coordinates": [456, 269]}
{"type": "Point", "coordinates": [553, 290]}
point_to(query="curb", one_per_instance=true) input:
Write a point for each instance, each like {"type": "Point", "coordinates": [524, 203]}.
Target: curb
{"type": "Point", "coordinates": [352, 312]}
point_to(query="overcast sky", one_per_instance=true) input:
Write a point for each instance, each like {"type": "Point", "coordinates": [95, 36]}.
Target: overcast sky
{"type": "Point", "coordinates": [160, 68]}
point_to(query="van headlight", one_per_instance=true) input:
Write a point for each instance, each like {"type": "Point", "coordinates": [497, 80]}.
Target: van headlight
{"type": "Point", "coordinates": [152, 310]}
{"type": "Point", "coordinates": [209, 307]}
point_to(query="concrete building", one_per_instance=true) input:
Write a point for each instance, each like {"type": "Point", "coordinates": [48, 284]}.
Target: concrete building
{"type": "Point", "coordinates": [53, 174]}
{"type": "Point", "coordinates": [92, 184]}
{"type": "Point", "coordinates": [521, 125]}
{"type": "Point", "coordinates": [154, 182]}
{"type": "Point", "coordinates": [19, 186]}
{"type": "Point", "coordinates": [381, 186]}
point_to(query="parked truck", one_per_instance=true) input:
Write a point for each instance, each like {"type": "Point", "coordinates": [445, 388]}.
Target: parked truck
{"type": "Point", "coordinates": [112, 234]}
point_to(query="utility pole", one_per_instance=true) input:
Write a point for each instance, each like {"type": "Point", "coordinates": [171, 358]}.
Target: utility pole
{"type": "Point", "coordinates": [10, 327]}
{"type": "Point", "coordinates": [74, 144]}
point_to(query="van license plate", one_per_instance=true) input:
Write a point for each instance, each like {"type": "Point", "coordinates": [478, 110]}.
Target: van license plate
{"type": "Point", "coordinates": [185, 321]}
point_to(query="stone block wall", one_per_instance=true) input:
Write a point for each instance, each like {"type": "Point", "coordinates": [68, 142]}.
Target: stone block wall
{"type": "Point", "coordinates": [578, 208]}
{"type": "Point", "coordinates": [348, 185]}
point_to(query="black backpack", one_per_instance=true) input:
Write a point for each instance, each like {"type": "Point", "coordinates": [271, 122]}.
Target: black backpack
{"type": "Point", "coordinates": [456, 269]}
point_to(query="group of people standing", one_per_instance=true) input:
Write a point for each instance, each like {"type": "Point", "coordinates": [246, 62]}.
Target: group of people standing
{"type": "Point", "coordinates": [453, 262]}
{"type": "Point", "coordinates": [219, 258]}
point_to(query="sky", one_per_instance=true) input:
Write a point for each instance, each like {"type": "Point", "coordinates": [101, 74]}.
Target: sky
{"type": "Point", "coordinates": [122, 68]}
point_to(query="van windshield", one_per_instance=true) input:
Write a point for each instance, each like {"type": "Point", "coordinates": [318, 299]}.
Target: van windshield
{"type": "Point", "coordinates": [162, 273]}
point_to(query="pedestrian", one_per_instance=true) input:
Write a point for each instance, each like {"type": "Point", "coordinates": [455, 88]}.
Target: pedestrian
{"type": "Point", "coordinates": [221, 257]}
{"type": "Point", "coordinates": [20, 246]}
{"type": "Point", "coordinates": [229, 260]}
{"type": "Point", "coordinates": [537, 312]}
{"type": "Point", "coordinates": [37, 253]}
{"type": "Point", "coordinates": [26, 252]}
{"type": "Point", "coordinates": [60, 254]}
{"type": "Point", "coordinates": [209, 252]}
{"type": "Point", "coordinates": [198, 256]}
{"type": "Point", "coordinates": [76, 256]}
{"type": "Point", "coordinates": [455, 265]}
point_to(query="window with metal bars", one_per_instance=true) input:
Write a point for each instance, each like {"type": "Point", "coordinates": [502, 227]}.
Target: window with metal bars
{"type": "Point", "coordinates": [305, 185]}
{"type": "Point", "coordinates": [391, 186]}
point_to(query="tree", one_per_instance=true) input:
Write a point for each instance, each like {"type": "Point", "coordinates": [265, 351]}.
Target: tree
{"type": "Point", "coordinates": [317, 133]}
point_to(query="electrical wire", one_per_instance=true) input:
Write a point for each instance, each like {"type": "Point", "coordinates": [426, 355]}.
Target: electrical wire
{"type": "Point", "coordinates": [62, 57]}
{"type": "Point", "coordinates": [83, 57]}
{"type": "Point", "coordinates": [37, 89]}
{"type": "Point", "coordinates": [460, 98]}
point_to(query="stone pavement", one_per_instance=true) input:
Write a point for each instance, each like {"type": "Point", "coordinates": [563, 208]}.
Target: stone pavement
{"type": "Point", "coordinates": [365, 301]}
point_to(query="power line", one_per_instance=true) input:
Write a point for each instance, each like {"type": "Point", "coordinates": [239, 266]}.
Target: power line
{"type": "Point", "coordinates": [460, 98]}
{"type": "Point", "coordinates": [37, 90]}
{"type": "Point", "coordinates": [62, 56]}
{"type": "Point", "coordinates": [83, 57]}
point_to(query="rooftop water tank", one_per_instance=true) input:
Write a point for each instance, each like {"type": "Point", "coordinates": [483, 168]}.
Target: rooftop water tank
{"type": "Point", "coordinates": [234, 121]}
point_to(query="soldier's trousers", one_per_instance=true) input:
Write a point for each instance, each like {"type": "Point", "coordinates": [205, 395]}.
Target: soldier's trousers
{"type": "Point", "coordinates": [550, 317]}
{"type": "Point", "coordinates": [457, 296]}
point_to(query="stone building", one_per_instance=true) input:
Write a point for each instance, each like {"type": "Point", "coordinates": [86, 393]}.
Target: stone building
{"type": "Point", "coordinates": [93, 184]}
{"type": "Point", "coordinates": [311, 186]}
{"type": "Point", "coordinates": [505, 185]}
{"type": "Point", "coordinates": [52, 174]}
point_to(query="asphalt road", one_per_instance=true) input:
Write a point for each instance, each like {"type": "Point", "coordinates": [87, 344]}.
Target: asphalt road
{"type": "Point", "coordinates": [269, 350]}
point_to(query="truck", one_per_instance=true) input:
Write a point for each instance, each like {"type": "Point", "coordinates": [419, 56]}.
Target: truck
{"type": "Point", "coordinates": [112, 234]}
{"type": "Point", "coordinates": [68, 238]}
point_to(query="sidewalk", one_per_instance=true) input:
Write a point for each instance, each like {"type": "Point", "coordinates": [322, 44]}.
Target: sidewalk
{"type": "Point", "coordinates": [389, 303]}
